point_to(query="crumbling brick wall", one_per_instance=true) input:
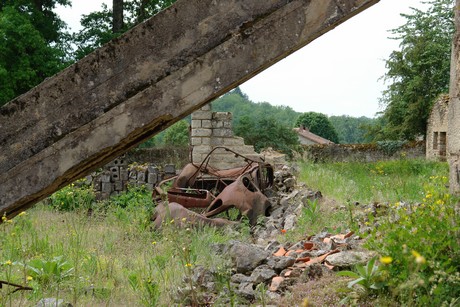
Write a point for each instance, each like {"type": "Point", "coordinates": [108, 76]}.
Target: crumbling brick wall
{"type": "Point", "coordinates": [436, 135]}
{"type": "Point", "coordinates": [211, 129]}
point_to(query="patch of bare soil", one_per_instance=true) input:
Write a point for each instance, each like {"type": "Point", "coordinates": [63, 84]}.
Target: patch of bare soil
{"type": "Point", "coordinates": [324, 291]}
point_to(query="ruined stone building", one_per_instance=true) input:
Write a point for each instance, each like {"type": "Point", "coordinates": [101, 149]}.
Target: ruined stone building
{"type": "Point", "coordinates": [436, 134]}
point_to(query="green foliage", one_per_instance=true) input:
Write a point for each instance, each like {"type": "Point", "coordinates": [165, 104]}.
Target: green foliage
{"type": "Point", "coordinates": [72, 197]}
{"type": "Point", "coordinates": [368, 279]}
{"type": "Point", "coordinates": [32, 45]}
{"type": "Point", "coordinates": [423, 239]}
{"type": "Point", "coordinates": [178, 134]}
{"type": "Point", "coordinates": [318, 124]}
{"type": "Point", "coordinates": [311, 211]}
{"type": "Point", "coordinates": [49, 272]}
{"type": "Point", "coordinates": [97, 26]}
{"type": "Point", "coordinates": [390, 147]}
{"type": "Point", "coordinates": [267, 132]}
{"type": "Point", "coordinates": [148, 289]}
{"type": "Point", "coordinates": [351, 130]}
{"type": "Point", "coordinates": [419, 71]}
{"type": "Point", "coordinates": [135, 195]}
{"type": "Point", "coordinates": [239, 105]}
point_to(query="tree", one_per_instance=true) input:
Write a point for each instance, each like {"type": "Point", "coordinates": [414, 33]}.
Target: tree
{"type": "Point", "coordinates": [117, 20]}
{"type": "Point", "coordinates": [351, 130]}
{"type": "Point", "coordinates": [419, 71]}
{"type": "Point", "coordinates": [239, 105]}
{"type": "Point", "coordinates": [33, 45]}
{"type": "Point", "coordinates": [319, 124]}
{"type": "Point", "coordinates": [177, 134]}
{"type": "Point", "coordinates": [267, 132]}
{"type": "Point", "coordinates": [98, 28]}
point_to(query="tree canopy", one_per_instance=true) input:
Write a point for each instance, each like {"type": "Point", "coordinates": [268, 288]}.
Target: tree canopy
{"type": "Point", "coordinates": [178, 134]}
{"type": "Point", "coordinates": [351, 130]}
{"type": "Point", "coordinates": [100, 27]}
{"type": "Point", "coordinates": [418, 72]}
{"type": "Point", "coordinates": [318, 124]}
{"type": "Point", "coordinates": [260, 124]}
{"type": "Point", "coordinates": [33, 45]}
{"type": "Point", "coordinates": [267, 132]}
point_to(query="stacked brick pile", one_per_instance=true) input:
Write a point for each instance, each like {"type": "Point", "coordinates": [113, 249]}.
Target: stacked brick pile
{"type": "Point", "coordinates": [211, 129]}
{"type": "Point", "coordinates": [118, 176]}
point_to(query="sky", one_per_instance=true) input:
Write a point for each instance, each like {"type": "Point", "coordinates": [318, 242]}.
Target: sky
{"type": "Point", "coordinates": [337, 74]}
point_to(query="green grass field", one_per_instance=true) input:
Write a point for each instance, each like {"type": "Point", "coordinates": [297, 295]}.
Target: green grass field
{"type": "Point", "coordinates": [112, 257]}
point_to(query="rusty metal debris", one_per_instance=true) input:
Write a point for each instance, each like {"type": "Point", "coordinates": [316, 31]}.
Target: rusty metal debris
{"type": "Point", "coordinates": [202, 186]}
{"type": "Point", "coordinates": [177, 214]}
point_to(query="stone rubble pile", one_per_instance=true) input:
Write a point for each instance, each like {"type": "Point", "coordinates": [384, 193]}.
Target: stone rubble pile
{"type": "Point", "coordinates": [287, 201]}
{"type": "Point", "coordinates": [268, 264]}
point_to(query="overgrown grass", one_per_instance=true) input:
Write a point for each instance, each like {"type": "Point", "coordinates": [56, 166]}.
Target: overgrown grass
{"type": "Point", "coordinates": [107, 256]}
{"type": "Point", "coordinates": [386, 181]}
{"type": "Point", "coordinates": [417, 236]}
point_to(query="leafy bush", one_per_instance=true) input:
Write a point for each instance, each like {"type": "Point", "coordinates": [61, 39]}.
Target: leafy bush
{"type": "Point", "coordinates": [135, 195]}
{"type": "Point", "coordinates": [390, 147]}
{"type": "Point", "coordinates": [72, 197]}
{"type": "Point", "coordinates": [424, 242]}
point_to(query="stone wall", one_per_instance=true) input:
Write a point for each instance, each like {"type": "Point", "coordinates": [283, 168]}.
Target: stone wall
{"type": "Point", "coordinates": [178, 156]}
{"type": "Point", "coordinates": [436, 134]}
{"type": "Point", "coordinates": [361, 152]}
{"type": "Point", "coordinates": [119, 175]}
{"type": "Point", "coordinates": [212, 129]}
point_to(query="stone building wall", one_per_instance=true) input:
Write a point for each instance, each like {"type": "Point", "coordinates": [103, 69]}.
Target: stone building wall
{"type": "Point", "coordinates": [212, 129]}
{"type": "Point", "coordinates": [361, 152]}
{"type": "Point", "coordinates": [436, 135]}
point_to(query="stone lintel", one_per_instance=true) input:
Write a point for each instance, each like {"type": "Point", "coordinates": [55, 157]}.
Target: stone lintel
{"type": "Point", "coordinates": [143, 82]}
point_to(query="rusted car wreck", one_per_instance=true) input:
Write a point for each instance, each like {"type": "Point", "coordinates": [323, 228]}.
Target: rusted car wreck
{"type": "Point", "coordinates": [215, 191]}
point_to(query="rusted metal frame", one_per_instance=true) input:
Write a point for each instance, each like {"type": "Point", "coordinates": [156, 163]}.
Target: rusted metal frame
{"type": "Point", "coordinates": [179, 195]}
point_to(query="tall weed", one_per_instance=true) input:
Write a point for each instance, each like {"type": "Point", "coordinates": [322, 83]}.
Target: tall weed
{"type": "Point", "coordinates": [423, 242]}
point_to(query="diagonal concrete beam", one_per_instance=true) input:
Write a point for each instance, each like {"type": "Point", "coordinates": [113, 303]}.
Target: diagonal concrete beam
{"type": "Point", "coordinates": [453, 124]}
{"type": "Point", "coordinates": [144, 81]}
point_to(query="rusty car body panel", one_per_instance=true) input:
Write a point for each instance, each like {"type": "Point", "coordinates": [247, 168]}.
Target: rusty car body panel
{"type": "Point", "coordinates": [202, 186]}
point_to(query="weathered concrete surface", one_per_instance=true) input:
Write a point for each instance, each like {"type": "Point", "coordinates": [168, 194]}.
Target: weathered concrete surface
{"type": "Point", "coordinates": [453, 126]}
{"type": "Point", "coordinates": [144, 81]}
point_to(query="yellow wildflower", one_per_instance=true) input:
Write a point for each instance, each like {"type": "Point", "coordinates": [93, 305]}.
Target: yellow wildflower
{"type": "Point", "coordinates": [29, 278]}
{"type": "Point", "coordinates": [4, 218]}
{"type": "Point", "coordinates": [171, 221]}
{"type": "Point", "coordinates": [8, 262]}
{"type": "Point", "coordinates": [418, 258]}
{"type": "Point", "coordinates": [188, 265]}
{"type": "Point", "coordinates": [22, 213]}
{"type": "Point", "coordinates": [184, 219]}
{"type": "Point", "coordinates": [154, 242]}
{"type": "Point", "coordinates": [386, 260]}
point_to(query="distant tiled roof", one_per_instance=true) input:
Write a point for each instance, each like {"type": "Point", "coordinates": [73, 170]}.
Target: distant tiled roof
{"type": "Point", "coordinates": [311, 136]}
